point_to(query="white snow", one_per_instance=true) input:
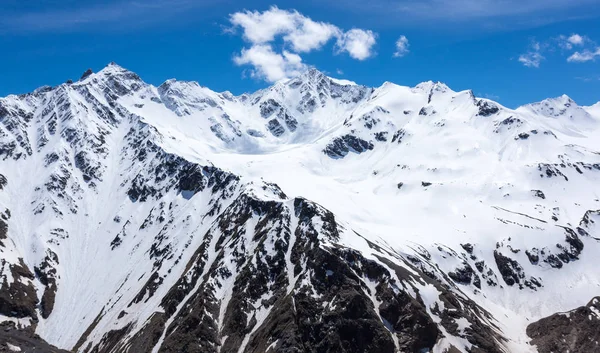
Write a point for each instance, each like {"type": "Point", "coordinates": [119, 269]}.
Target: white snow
{"type": "Point", "coordinates": [482, 177]}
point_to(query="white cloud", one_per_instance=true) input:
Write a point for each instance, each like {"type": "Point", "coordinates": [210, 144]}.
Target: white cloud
{"type": "Point", "coordinates": [534, 56]}
{"type": "Point", "coordinates": [300, 34]}
{"type": "Point", "coordinates": [311, 35]}
{"type": "Point", "coordinates": [531, 59]}
{"type": "Point", "coordinates": [269, 65]}
{"type": "Point", "coordinates": [575, 39]}
{"type": "Point", "coordinates": [358, 43]}
{"type": "Point", "coordinates": [585, 55]}
{"type": "Point", "coordinates": [298, 30]}
{"type": "Point", "coordinates": [401, 46]}
{"type": "Point", "coordinates": [567, 42]}
{"type": "Point", "coordinates": [588, 51]}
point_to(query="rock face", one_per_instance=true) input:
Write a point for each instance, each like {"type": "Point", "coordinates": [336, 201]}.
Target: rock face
{"type": "Point", "coordinates": [574, 331]}
{"type": "Point", "coordinates": [341, 146]}
{"type": "Point", "coordinates": [315, 215]}
{"type": "Point", "coordinates": [13, 339]}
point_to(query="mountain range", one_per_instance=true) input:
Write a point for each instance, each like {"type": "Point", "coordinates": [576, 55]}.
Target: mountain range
{"type": "Point", "coordinates": [316, 215]}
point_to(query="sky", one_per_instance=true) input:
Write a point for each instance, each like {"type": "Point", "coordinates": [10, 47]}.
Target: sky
{"type": "Point", "coordinates": [512, 51]}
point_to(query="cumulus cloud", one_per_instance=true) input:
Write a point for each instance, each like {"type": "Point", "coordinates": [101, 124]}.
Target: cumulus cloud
{"type": "Point", "coordinates": [269, 65]}
{"type": "Point", "coordinates": [568, 42]}
{"type": "Point", "coordinates": [575, 39]}
{"type": "Point", "coordinates": [585, 55]}
{"type": "Point", "coordinates": [299, 33]}
{"type": "Point", "coordinates": [401, 47]}
{"type": "Point", "coordinates": [358, 43]}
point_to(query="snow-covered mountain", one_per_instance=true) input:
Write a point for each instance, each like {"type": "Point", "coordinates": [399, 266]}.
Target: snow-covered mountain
{"type": "Point", "coordinates": [316, 215]}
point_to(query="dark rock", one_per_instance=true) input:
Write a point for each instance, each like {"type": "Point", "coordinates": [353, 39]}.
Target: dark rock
{"type": "Point", "coordinates": [46, 273]}
{"type": "Point", "coordinates": [576, 331]}
{"type": "Point", "coordinates": [538, 193]}
{"type": "Point", "coordinates": [86, 74]}
{"type": "Point", "coordinates": [486, 108]}
{"type": "Point", "coordinates": [468, 247]}
{"type": "Point", "coordinates": [275, 127]}
{"type": "Point", "coordinates": [522, 136]}
{"type": "Point", "coordinates": [24, 339]}
{"type": "Point", "coordinates": [381, 136]}
{"type": "Point", "coordinates": [462, 275]}
{"type": "Point", "coordinates": [398, 136]}
{"type": "Point", "coordinates": [19, 299]}
{"type": "Point", "coordinates": [341, 146]}
{"type": "Point", "coordinates": [511, 270]}
{"type": "Point", "coordinates": [533, 256]}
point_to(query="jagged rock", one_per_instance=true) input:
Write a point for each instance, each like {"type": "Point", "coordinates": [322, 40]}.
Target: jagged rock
{"type": "Point", "coordinates": [538, 193]}
{"type": "Point", "coordinates": [486, 108]}
{"type": "Point", "coordinates": [341, 146]}
{"type": "Point", "coordinates": [275, 128]}
{"type": "Point", "coordinates": [575, 331]}
{"type": "Point", "coordinates": [14, 339]}
{"type": "Point", "coordinates": [462, 275]}
{"type": "Point", "coordinates": [18, 299]}
{"type": "Point", "coordinates": [86, 74]}
{"type": "Point", "coordinates": [398, 136]}
{"type": "Point", "coordinates": [46, 274]}
{"type": "Point", "coordinates": [511, 271]}
{"type": "Point", "coordinates": [381, 136]}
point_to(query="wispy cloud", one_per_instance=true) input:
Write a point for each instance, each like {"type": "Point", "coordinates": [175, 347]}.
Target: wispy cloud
{"type": "Point", "coordinates": [533, 57]}
{"type": "Point", "coordinates": [585, 55]}
{"type": "Point", "coordinates": [401, 47]}
{"type": "Point", "coordinates": [122, 12]}
{"type": "Point", "coordinates": [588, 78]}
{"type": "Point", "coordinates": [488, 15]}
{"type": "Point", "coordinates": [561, 45]}
{"type": "Point", "coordinates": [464, 10]}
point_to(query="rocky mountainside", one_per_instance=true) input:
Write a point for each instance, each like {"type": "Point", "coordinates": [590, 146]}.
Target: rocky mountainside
{"type": "Point", "coordinates": [316, 215]}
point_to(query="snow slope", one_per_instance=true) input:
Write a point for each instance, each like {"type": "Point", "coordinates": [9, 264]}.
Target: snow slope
{"type": "Point", "coordinates": [135, 208]}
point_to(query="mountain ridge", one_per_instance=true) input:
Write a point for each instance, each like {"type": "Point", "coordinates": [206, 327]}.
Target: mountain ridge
{"type": "Point", "coordinates": [181, 219]}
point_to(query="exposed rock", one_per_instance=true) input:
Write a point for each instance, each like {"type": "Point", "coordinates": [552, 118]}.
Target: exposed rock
{"type": "Point", "coordinates": [462, 275]}
{"type": "Point", "coordinates": [511, 271]}
{"type": "Point", "coordinates": [46, 273]}
{"type": "Point", "coordinates": [486, 108]}
{"type": "Point", "coordinates": [341, 146]}
{"type": "Point", "coordinates": [538, 193]}
{"type": "Point", "coordinates": [575, 331]}
{"type": "Point", "coordinates": [86, 74]}
{"type": "Point", "coordinates": [18, 299]}
{"type": "Point", "coordinates": [14, 339]}
{"type": "Point", "coordinates": [275, 127]}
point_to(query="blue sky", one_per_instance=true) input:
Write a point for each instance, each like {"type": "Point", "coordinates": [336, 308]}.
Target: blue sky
{"type": "Point", "coordinates": [512, 51]}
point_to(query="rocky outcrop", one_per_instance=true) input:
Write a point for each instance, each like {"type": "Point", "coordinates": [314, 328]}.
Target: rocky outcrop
{"type": "Point", "coordinates": [14, 339]}
{"type": "Point", "coordinates": [341, 146]}
{"type": "Point", "coordinates": [575, 331]}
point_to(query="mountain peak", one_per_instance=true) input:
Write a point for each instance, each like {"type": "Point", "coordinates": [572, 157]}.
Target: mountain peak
{"type": "Point", "coordinates": [564, 99]}
{"type": "Point", "coordinates": [86, 74]}
{"type": "Point", "coordinates": [429, 86]}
